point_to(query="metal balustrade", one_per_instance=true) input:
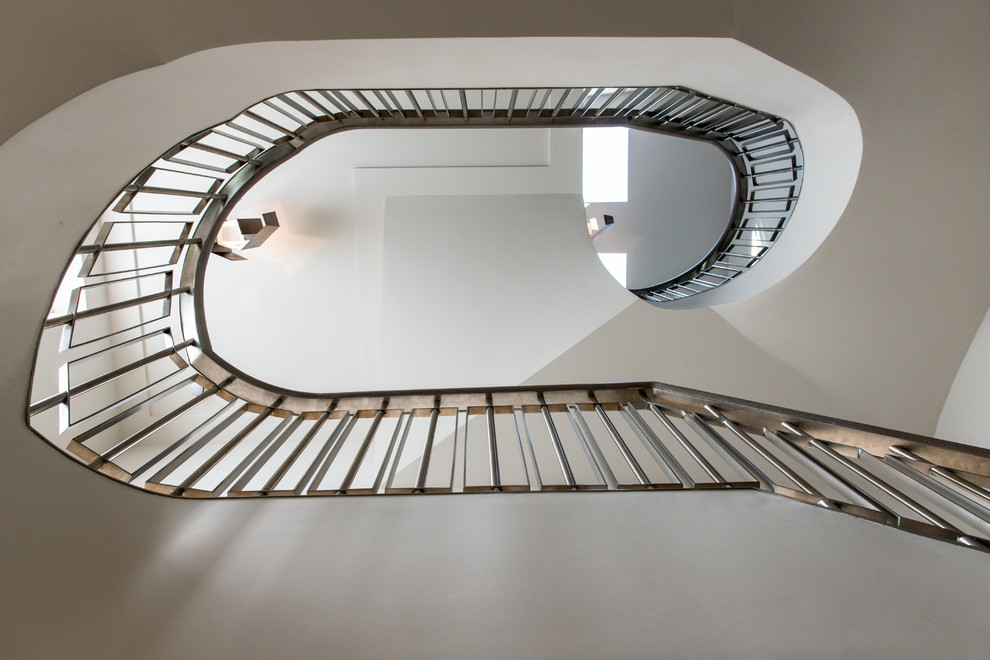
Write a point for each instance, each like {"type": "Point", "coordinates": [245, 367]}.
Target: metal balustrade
{"type": "Point", "coordinates": [125, 380]}
{"type": "Point", "coordinates": [197, 178]}
{"type": "Point", "coordinates": [206, 442]}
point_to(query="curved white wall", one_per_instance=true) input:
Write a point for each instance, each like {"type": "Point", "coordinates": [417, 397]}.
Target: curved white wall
{"type": "Point", "coordinates": [964, 417]}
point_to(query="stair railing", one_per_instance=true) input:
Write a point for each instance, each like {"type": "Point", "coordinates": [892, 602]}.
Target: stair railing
{"type": "Point", "coordinates": [125, 380]}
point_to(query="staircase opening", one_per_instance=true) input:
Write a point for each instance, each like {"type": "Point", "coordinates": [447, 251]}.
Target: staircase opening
{"type": "Point", "coordinates": [396, 243]}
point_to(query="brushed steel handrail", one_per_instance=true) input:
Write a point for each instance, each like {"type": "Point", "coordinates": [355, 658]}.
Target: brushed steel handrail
{"type": "Point", "coordinates": [126, 382]}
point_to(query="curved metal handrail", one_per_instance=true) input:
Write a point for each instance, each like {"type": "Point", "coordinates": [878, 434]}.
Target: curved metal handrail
{"type": "Point", "coordinates": [614, 437]}
{"type": "Point", "coordinates": [769, 174]}
{"type": "Point", "coordinates": [201, 178]}
{"type": "Point", "coordinates": [764, 149]}
{"type": "Point", "coordinates": [125, 380]}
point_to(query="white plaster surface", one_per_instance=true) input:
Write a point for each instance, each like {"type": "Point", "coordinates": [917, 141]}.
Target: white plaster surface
{"type": "Point", "coordinates": [963, 417]}
{"type": "Point", "coordinates": [511, 259]}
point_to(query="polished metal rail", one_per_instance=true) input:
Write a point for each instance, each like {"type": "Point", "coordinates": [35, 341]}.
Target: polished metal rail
{"type": "Point", "coordinates": [126, 382]}
{"type": "Point", "coordinates": [140, 267]}
{"type": "Point", "coordinates": [631, 436]}
{"type": "Point", "coordinates": [203, 175]}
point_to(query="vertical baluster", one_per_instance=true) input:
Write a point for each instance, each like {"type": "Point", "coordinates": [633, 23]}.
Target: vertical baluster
{"type": "Point", "coordinates": [496, 479]}
{"type": "Point", "coordinates": [558, 448]}
{"type": "Point", "coordinates": [661, 453]}
{"type": "Point", "coordinates": [247, 461]}
{"type": "Point", "coordinates": [328, 452]}
{"type": "Point", "coordinates": [702, 462]}
{"type": "Point", "coordinates": [225, 414]}
{"type": "Point", "coordinates": [620, 443]}
{"type": "Point", "coordinates": [363, 449]}
{"type": "Point", "coordinates": [294, 455]}
{"type": "Point", "coordinates": [779, 465]}
{"type": "Point", "coordinates": [880, 512]}
{"type": "Point", "coordinates": [878, 483]}
{"type": "Point", "coordinates": [593, 452]}
{"type": "Point", "coordinates": [428, 449]}
{"type": "Point", "coordinates": [189, 482]}
{"type": "Point", "coordinates": [943, 492]}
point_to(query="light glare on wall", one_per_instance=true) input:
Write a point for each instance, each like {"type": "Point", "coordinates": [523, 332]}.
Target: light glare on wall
{"type": "Point", "coordinates": [605, 164]}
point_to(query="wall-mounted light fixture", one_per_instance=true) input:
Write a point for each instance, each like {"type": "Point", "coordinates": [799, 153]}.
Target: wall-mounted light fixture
{"type": "Point", "coordinates": [244, 234]}
{"type": "Point", "coordinates": [594, 229]}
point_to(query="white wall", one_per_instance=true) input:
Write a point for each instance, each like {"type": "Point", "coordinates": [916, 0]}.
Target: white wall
{"type": "Point", "coordinates": [584, 575]}
{"type": "Point", "coordinates": [481, 290]}
{"type": "Point", "coordinates": [963, 417]}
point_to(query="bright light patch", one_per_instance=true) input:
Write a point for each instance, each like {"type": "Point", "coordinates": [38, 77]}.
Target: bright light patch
{"type": "Point", "coordinates": [605, 165]}
{"type": "Point", "coordinates": [615, 263]}
{"type": "Point", "coordinates": [230, 235]}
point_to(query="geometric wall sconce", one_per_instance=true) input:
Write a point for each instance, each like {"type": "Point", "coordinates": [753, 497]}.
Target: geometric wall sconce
{"type": "Point", "coordinates": [595, 230]}
{"type": "Point", "coordinates": [244, 234]}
